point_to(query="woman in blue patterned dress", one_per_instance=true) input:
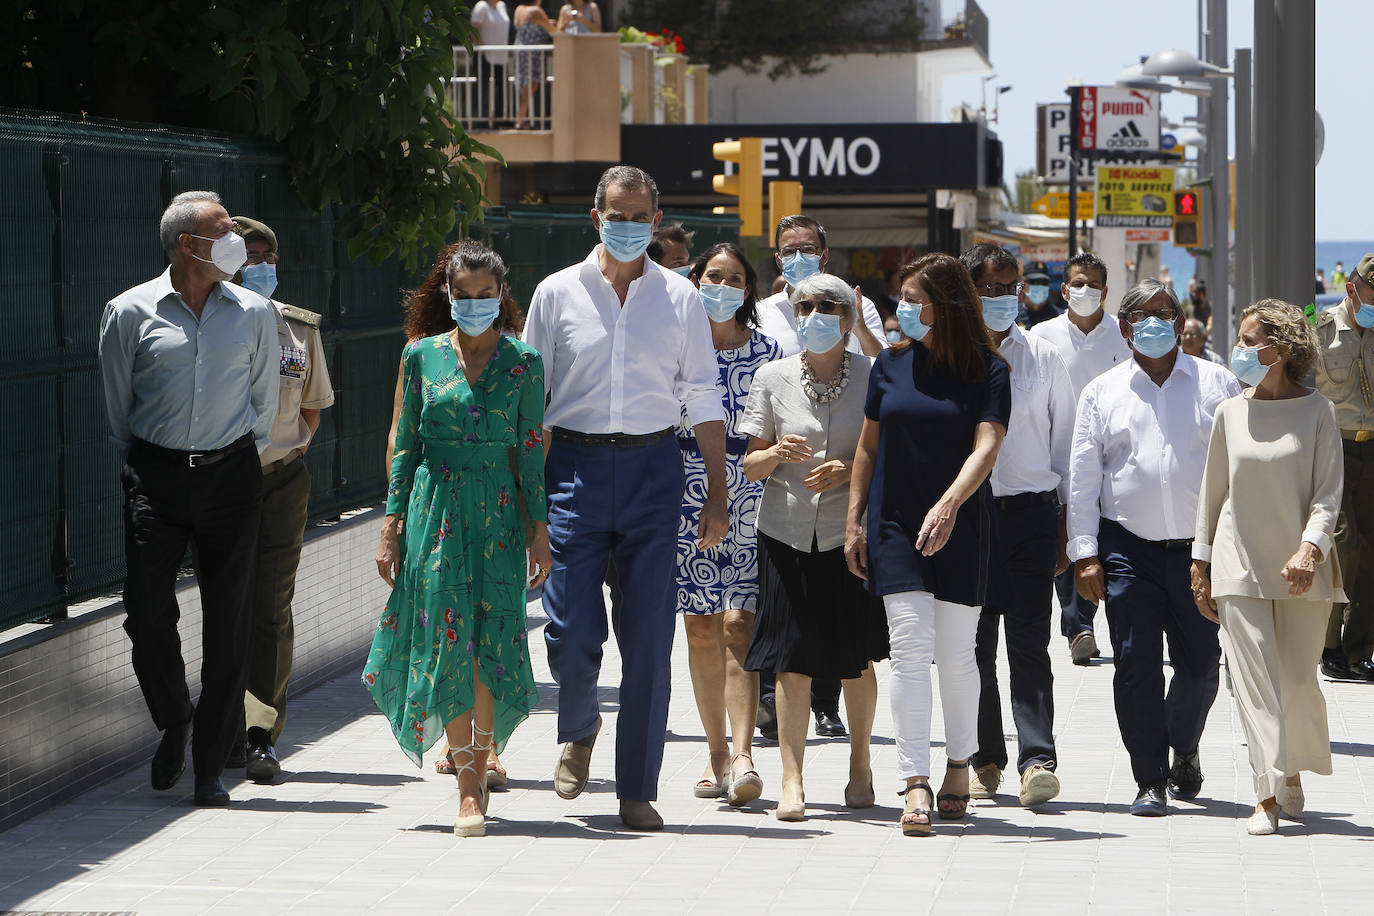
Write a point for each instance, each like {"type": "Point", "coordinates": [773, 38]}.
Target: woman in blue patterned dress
{"type": "Point", "coordinates": [717, 588]}
{"type": "Point", "coordinates": [450, 652]}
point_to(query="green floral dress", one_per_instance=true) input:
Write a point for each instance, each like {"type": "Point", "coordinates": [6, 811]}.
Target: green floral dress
{"type": "Point", "coordinates": [467, 456]}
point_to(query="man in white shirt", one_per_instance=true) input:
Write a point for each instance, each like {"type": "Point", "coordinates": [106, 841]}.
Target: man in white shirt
{"type": "Point", "coordinates": [626, 346]}
{"type": "Point", "coordinates": [493, 28]}
{"type": "Point", "coordinates": [1090, 343]}
{"type": "Point", "coordinates": [801, 252]}
{"type": "Point", "coordinates": [1029, 483]}
{"type": "Point", "coordinates": [1139, 450]}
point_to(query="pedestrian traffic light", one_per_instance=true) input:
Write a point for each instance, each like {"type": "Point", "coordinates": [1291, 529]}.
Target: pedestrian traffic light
{"type": "Point", "coordinates": [1187, 219]}
{"type": "Point", "coordinates": [784, 199]}
{"type": "Point", "coordinates": [746, 183]}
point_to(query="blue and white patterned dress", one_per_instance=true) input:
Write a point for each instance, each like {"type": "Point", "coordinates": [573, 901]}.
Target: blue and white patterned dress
{"type": "Point", "coordinates": [710, 581]}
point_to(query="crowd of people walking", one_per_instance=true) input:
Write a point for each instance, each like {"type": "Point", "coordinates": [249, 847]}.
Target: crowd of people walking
{"type": "Point", "coordinates": [815, 486]}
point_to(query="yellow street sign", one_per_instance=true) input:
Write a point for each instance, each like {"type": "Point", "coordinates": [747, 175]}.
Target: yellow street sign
{"type": "Point", "coordinates": [1055, 204]}
{"type": "Point", "coordinates": [1135, 196]}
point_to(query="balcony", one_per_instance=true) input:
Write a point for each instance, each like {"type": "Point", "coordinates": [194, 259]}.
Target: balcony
{"type": "Point", "coordinates": [549, 103]}
{"type": "Point", "coordinates": [962, 46]}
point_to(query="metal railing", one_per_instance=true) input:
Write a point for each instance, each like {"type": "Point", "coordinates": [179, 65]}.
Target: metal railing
{"type": "Point", "coordinates": [498, 87]}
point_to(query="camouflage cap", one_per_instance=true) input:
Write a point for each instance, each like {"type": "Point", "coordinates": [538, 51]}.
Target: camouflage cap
{"type": "Point", "coordinates": [254, 231]}
{"type": "Point", "coordinates": [1365, 269]}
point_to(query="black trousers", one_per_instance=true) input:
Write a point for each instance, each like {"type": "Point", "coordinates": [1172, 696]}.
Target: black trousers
{"type": "Point", "coordinates": [1150, 600]}
{"type": "Point", "coordinates": [167, 505]}
{"type": "Point", "coordinates": [1019, 598]}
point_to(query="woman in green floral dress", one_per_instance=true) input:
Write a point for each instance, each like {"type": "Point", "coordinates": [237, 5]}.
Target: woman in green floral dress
{"type": "Point", "coordinates": [467, 478]}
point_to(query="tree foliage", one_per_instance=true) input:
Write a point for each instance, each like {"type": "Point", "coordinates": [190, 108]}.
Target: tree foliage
{"type": "Point", "coordinates": [787, 37]}
{"type": "Point", "coordinates": [353, 91]}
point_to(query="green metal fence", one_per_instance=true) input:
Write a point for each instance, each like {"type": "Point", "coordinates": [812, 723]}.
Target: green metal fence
{"type": "Point", "coordinates": [79, 209]}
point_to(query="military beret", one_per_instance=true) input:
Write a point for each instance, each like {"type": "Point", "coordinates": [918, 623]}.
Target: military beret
{"type": "Point", "coordinates": [254, 231]}
{"type": "Point", "coordinates": [1365, 269]}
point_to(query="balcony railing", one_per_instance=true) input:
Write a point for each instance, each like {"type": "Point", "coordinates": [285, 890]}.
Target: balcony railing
{"type": "Point", "coordinates": [497, 87]}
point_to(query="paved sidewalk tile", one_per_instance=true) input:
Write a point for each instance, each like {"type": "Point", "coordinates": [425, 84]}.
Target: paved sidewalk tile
{"type": "Point", "coordinates": [353, 827]}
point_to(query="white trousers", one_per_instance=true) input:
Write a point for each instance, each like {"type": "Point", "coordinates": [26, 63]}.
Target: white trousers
{"type": "Point", "coordinates": [920, 628]}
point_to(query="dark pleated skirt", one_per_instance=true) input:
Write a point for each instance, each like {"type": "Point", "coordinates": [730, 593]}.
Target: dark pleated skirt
{"type": "Point", "coordinates": [814, 616]}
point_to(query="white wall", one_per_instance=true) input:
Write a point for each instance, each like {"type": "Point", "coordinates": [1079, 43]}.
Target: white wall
{"type": "Point", "coordinates": [854, 89]}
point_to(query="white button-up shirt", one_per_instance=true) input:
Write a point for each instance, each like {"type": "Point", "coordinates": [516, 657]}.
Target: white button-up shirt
{"type": "Point", "coordinates": [631, 369]}
{"type": "Point", "coordinates": [778, 320]}
{"type": "Point", "coordinates": [1034, 457]}
{"type": "Point", "coordinates": [1139, 450]}
{"type": "Point", "coordinates": [1086, 355]}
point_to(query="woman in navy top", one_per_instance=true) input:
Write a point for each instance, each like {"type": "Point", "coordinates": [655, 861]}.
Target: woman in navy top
{"type": "Point", "coordinates": [937, 409]}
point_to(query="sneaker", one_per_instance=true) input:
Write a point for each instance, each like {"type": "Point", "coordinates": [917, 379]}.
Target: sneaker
{"type": "Point", "coordinates": [1185, 776]}
{"type": "Point", "coordinates": [1038, 785]}
{"type": "Point", "coordinates": [985, 781]}
{"type": "Point", "coordinates": [1083, 648]}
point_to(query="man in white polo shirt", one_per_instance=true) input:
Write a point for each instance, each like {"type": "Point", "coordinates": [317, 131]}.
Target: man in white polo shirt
{"type": "Point", "coordinates": [1090, 343]}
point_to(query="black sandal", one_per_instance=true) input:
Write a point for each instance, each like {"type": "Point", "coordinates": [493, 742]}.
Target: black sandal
{"type": "Point", "coordinates": [954, 814]}
{"type": "Point", "coordinates": [912, 828]}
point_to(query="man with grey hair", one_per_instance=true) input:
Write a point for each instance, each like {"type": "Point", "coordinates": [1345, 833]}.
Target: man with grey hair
{"type": "Point", "coordinates": [1139, 450]}
{"type": "Point", "coordinates": [626, 347]}
{"type": "Point", "coordinates": [189, 365]}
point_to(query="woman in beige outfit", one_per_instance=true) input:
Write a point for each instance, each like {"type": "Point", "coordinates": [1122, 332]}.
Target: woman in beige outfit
{"type": "Point", "coordinates": [1273, 484]}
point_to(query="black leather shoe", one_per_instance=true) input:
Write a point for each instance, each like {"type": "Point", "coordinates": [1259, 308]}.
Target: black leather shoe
{"type": "Point", "coordinates": [828, 724]}
{"type": "Point", "coordinates": [767, 718]}
{"type": "Point", "coordinates": [263, 765]}
{"type": "Point", "coordinates": [212, 794]}
{"type": "Point", "coordinates": [169, 760]}
{"type": "Point", "coordinates": [1363, 671]}
{"type": "Point", "coordinates": [1151, 801]}
{"type": "Point", "coordinates": [238, 757]}
{"type": "Point", "coordinates": [1185, 776]}
{"type": "Point", "coordinates": [1334, 666]}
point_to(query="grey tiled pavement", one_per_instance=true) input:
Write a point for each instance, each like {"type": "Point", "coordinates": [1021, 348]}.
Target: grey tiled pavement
{"type": "Point", "coordinates": [355, 828]}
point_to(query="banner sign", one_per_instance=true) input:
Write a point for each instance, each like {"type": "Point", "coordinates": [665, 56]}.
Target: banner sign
{"type": "Point", "coordinates": [1118, 120]}
{"type": "Point", "coordinates": [1135, 196]}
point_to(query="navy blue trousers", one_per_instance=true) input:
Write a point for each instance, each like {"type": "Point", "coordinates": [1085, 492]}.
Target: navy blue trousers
{"type": "Point", "coordinates": [1149, 599]}
{"type": "Point", "coordinates": [620, 503]}
{"type": "Point", "coordinates": [1019, 599]}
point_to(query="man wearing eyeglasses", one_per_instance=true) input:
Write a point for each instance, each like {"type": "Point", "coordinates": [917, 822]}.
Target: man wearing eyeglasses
{"type": "Point", "coordinates": [1029, 483]}
{"type": "Point", "coordinates": [1139, 448]}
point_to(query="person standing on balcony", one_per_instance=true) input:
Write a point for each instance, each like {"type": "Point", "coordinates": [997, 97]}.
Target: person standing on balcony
{"type": "Point", "coordinates": [532, 27]}
{"type": "Point", "coordinates": [189, 367]}
{"type": "Point", "coordinates": [304, 392]}
{"type": "Point", "coordinates": [626, 346]}
{"type": "Point", "coordinates": [493, 26]}
{"type": "Point", "coordinates": [580, 17]}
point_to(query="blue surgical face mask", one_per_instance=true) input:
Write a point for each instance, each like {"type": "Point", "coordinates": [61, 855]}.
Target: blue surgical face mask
{"type": "Point", "coordinates": [720, 301]}
{"type": "Point", "coordinates": [1364, 315]}
{"type": "Point", "coordinates": [909, 317]}
{"type": "Point", "coordinates": [999, 312]}
{"type": "Point", "coordinates": [474, 316]}
{"type": "Point", "coordinates": [1153, 337]}
{"type": "Point", "coordinates": [1037, 293]}
{"type": "Point", "coordinates": [820, 333]}
{"type": "Point", "coordinates": [1245, 363]}
{"type": "Point", "coordinates": [893, 335]}
{"type": "Point", "coordinates": [625, 240]}
{"type": "Point", "coordinates": [798, 266]}
{"type": "Point", "coordinates": [260, 278]}
{"type": "Point", "coordinates": [682, 271]}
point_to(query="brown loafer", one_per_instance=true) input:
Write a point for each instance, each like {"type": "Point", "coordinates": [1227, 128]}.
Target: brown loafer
{"type": "Point", "coordinates": [570, 776]}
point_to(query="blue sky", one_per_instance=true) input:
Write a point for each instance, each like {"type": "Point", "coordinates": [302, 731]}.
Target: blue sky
{"type": "Point", "coordinates": [1038, 46]}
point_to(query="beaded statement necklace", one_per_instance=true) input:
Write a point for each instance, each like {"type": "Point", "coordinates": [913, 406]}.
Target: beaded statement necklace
{"type": "Point", "coordinates": [823, 393]}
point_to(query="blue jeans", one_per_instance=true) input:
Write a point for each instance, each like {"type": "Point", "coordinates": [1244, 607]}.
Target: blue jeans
{"type": "Point", "coordinates": [1149, 598]}
{"type": "Point", "coordinates": [620, 503]}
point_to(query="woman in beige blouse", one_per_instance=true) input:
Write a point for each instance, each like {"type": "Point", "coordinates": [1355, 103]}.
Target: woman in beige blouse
{"type": "Point", "coordinates": [1266, 514]}
{"type": "Point", "coordinates": [814, 618]}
